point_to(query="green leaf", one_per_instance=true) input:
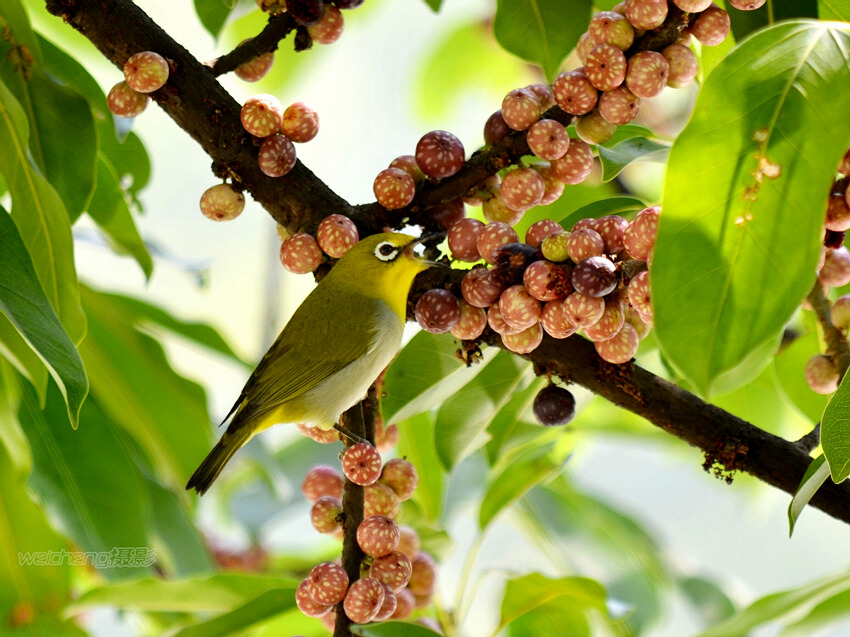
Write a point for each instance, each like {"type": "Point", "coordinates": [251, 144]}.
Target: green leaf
{"type": "Point", "coordinates": [623, 206]}
{"type": "Point", "coordinates": [542, 31]}
{"type": "Point", "coordinates": [707, 598]}
{"type": "Point", "coordinates": [465, 415]}
{"type": "Point", "coordinates": [416, 443]}
{"type": "Point", "coordinates": [112, 215]}
{"type": "Point", "coordinates": [745, 22]}
{"type": "Point", "coordinates": [834, 10]}
{"type": "Point", "coordinates": [22, 356]}
{"type": "Point", "coordinates": [738, 212]}
{"type": "Point", "coordinates": [213, 14]}
{"type": "Point", "coordinates": [636, 149]}
{"type": "Point", "coordinates": [815, 476]}
{"type": "Point", "coordinates": [424, 374]}
{"type": "Point", "coordinates": [393, 629]}
{"type": "Point", "coordinates": [24, 304]}
{"type": "Point", "coordinates": [434, 4]}
{"type": "Point", "coordinates": [831, 610]}
{"type": "Point", "coordinates": [221, 592]}
{"type": "Point", "coordinates": [835, 432]}
{"type": "Point", "coordinates": [12, 437]}
{"type": "Point", "coordinates": [14, 17]}
{"type": "Point", "coordinates": [509, 428]}
{"type": "Point", "coordinates": [264, 607]}
{"type": "Point", "coordinates": [41, 218]}
{"type": "Point", "coordinates": [788, 366]}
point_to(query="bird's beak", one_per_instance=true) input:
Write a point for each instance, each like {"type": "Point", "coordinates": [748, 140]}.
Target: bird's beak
{"type": "Point", "coordinates": [430, 242]}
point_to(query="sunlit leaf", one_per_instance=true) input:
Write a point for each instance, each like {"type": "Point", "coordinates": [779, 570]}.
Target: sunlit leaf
{"type": "Point", "coordinates": [213, 14]}
{"type": "Point", "coordinates": [393, 629]}
{"type": "Point", "coordinates": [261, 609]}
{"type": "Point", "coordinates": [815, 476]}
{"type": "Point", "coordinates": [789, 365]}
{"type": "Point", "coordinates": [416, 443]}
{"type": "Point", "coordinates": [745, 22]}
{"type": "Point", "coordinates": [636, 149]}
{"type": "Point", "coordinates": [835, 431]}
{"type": "Point", "coordinates": [834, 10]}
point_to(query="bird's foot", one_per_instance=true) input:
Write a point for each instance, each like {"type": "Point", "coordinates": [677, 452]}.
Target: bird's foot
{"type": "Point", "coordinates": [351, 436]}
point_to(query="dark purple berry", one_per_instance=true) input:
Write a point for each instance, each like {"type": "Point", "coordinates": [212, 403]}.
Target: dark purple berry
{"type": "Point", "coordinates": [554, 406]}
{"type": "Point", "coordinates": [595, 277]}
{"type": "Point", "coordinates": [306, 12]}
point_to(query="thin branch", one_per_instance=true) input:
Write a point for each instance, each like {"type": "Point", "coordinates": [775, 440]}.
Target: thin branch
{"type": "Point", "coordinates": [277, 28]}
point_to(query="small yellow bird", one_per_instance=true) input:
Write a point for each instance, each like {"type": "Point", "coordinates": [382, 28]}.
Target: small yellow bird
{"type": "Point", "coordinates": [332, 349]}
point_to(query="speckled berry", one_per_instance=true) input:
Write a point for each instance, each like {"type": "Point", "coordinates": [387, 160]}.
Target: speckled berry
{"type": "Point", "coordinates": [524, 341]}
{"type": "Point", "coordinates": [493, 236]}
{"type": "Point", "coordinates": [544, 94]}
{"type": "Point", "coordinates": [222, 203]}
{"type": "Point", "coordinates": [277, 156]}
{"type": "Point", "coordinates": [546, 281]}
{"type": "Point", "coordinates": [554, 406]}
{"type": "Point", "coordinates": [575, 166]}
{"type": "Point", "coordinates": [424, 575]}
{"type": "Point", "coordinates": [522, 188]}
{"type": "Point", "coordinates": [646, 14]}
{"type": "Point", "coordinates": [837, 209]}
{"type": "Point", "coordinates": [497, 322]}
{"type": "Point", "coordinates": [595, 277]}
{"type": "Point", "coordinates": [821, 374]}
{"type": "Point", "coordinates": [555, 246]}
{"type": "Point", "coordinates": [463, 239]}
{"type": "Point", "coordinates": [611, 228]}
{"type": "Point", "coordinates": [747, 5]}
{"type": "Point", "coordinates": [495, 128]}
{"type": "Point", "coordinates": [621, 348]}
{"type": "Point", "coordinates": [393, 569]}
{"type": "Point", "coordinates": [638, 292]}
{"type": "Point", "coordinates": [256, 68]}
{"type": "Point", "coordinates": [324, 513]}
{"type": "Point", "coordinates": [437, 311]}
{"type": "Point", "coordinates": [306, 604]}
{"type": "Point", "coordinates": [610, 323]}
{"type": "Point", "coordinates": [388, 607]}
{"type": "Point", "coordinates": [609, 27]}
{"type": "Point", "coordinates": [377, 535]}
{"type": "Point", "coordinates": [692, 6]}
{"type": "Point", "coordinates": [519, 309]}
{"type": "Point", "coordinates": [327, 583]}
{"type": "Point", "coordinates": [322, 481]}
{"type": "Point", "coordinates": [408, 164]}
{"type": "Point", "coordinates": [647, 74]}
{"type": "Point", "coordinates": [439, 154]}
{"type": "Point", "coordinates": [322, 436]}
{"type": "Point", "coordinates": [400, 475]}
{"type": "Point", "coordinates": [405, 604]}
{"type": "Point", "coordinates": [585, 243]}
{"type": "Point", "coordinates": [471, 322]}
{"type": "Point", "coordinates": [329, 27]}
{"type": "Point", "coordinates": [636, 320]}
{"type": "Point", "coordinates": [520, 108]}
{"type": "Point", "coordinates": [583, 46]}
{"type": "Point", "coordinates": [553, 188]}
{"type": "Point", "coordinates": [711, 26]}
{"type": "Point", "coordinates": [605, 67]}
{"type": "Point", "coordinates": [539, 230]}
{"type": "Point", "coordinates": [146, 71]}
{"type": "Point", "coordinates": [447, 213]}
{"type": "Point", "coordinates": [481, 288]}
{"type": "Point", "coordinates": [300, 254]}
{"type": "Point", "coordinates": [125, 102]}
{"type": "Point", "coordinates": [595, 129]}
{"type": "Point", "coordinates": [583, 311]}
{"type": "Point", "coordinates": [361, 463]}
{"type": "Point", "coordinates": [394, 188]}
{"type": "Point", "coordinates": [336, 234]}
{"type": "Point", "coordinates": [385, 439]}
{"type": "Point", "coordinates": [363, 600]}
{"type": "Point", "coordinates": [548, 139]}
{"type": "Point", "coordinates": [379, 499]}
{"type": "Point", "coordinates": [554, 321]}
{"type": "Point", "coordinates": [300, 122]}
{"type": "Point", "coordinates": [639, 236]}
{"type": "Point", "coordinates": [836, 268]}
{"type": "Point", "coordinates": [619, 106]}
{"type": "Point", "coordinates": [682, 63]}
{"type": "Point", "coordinates": [305, 12]}
{"type": "Point", "coordinates": [495, 208]}
{"type": "Point", "coordinates": [262, 115]}
{"type": "Point", "coordinates": [574, 93]}
{"type": "Point", "coordinates": [410, 543]}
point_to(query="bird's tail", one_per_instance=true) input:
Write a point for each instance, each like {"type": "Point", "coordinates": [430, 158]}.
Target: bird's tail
{"type": "Point", "coordinates": [212, 465]}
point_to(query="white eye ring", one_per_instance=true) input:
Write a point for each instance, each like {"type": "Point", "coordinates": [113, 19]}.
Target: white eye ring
{"type": "Point", "coordinates": [386, 251]}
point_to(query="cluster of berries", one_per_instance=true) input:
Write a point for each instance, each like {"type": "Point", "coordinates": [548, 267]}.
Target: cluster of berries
{"type": "Point", "coordinates": [398, 577]}
{"type": "Point", "coordinates": [323, 20]}
{"type": "Point", "coordinates": [144, 73]}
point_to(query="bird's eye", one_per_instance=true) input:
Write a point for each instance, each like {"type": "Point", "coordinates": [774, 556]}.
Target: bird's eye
{"type": "Point", "coordinates": [386, 251]}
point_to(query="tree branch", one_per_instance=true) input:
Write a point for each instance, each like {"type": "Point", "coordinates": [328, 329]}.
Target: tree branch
{"type": "Point", "coordinates": [266, 41]}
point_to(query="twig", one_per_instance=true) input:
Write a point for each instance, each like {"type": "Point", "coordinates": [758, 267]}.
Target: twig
{"type": "Point", "coordinates": [277, 28]}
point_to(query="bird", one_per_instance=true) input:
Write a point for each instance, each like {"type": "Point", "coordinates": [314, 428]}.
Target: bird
{"type": "Point", "coordinates": [338, 341]}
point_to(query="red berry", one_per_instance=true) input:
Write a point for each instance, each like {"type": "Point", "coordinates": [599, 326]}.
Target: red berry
{"type": "Point", "coordinates": [125, 102]}
{"type": "Point", "coordinates": [410, 543]}
{"type": "Point", "coordinates": [636, 320]}
{"type": "Point", "coordinates": [497, 322]}
{"type": "Point", "coordinates": [611, 228]}
{"type": "Point", "coordinates": [300, 122]}
{"type": "Point", "coordinates": [470, 323]}
{"type": "Point", "coordinates": [836, 268]}
{"type": "Point", "coordinates": [378, 535]}
{"type": "Point", "coordinates": [361, 463]}
{"type": "Point", "coordinates": [553, 187]}
{"type": "Point", "coordinates": [583, 46]}
{"type": "Point", "coordinates": [437, 311]}
{"type": "Point", "coordinates": [606, 67]}
{"type": "Point", "coordinates": [544, 94]}
{"type": "Point", "coordinates": [619, 106]}
{"type": "Point", "coordinates": [388, 607]}
{"type": "Point", "coordinates": [837, 209]}
{"type": "Point", "coordinates": [519, 309]}
{"type": "Point", "coordinates": [363, 600]}
{"type": "Point", "coordinates": [424, 575]}
{"type": "Point", "coordinates": [447, 213]}
{"type": "Point", "coordinates": [439, 154]}
{"type": "Point", "coordinates": [400, 475]}
{"type": "Point", "coordinates": [692, 6]}
{"type": "Point", "coordinates": [583, 311]}
{"type": "Point", "coordinates": [520, 108]}
{"type": "Point", "coordinates": [524, 341]}
{"type": "Point", "coordinates": [585, 243]}
{"type": "Point", "coordinates": [522, 188]}
{"type": "Point", "coordinates": [646, 14]}
{"type": "Point", "coordinates": [647, 73]}
{"type": "Point", "coordinates": [711, 26]}
{"type": "Point", "coordinates": [555, 246]}
{"type": "Point", "coordinates": [300, 253]}
{"type": "Point", "coordinates": [336, 234]}
{"type": "Point", "coordinates": [463, 239]}
{"type": "Point", "coordinates": [322, 481]}
{"type": "Point", "coordinates": [386, 439]}
{"type": "Point", "coordinates": [595, 129]}
{"type": "Point", "coordinates": [682, 63]}
{"type": "Point", "coordinates": [146, 72]}
{"type": "Point", "coordinates": [746, 5]}
{"type": "Point", "coordinates": [495, 128]}
{"type": "Point", "coordinates": [262, 115]}
{"type": "Point", "coordinates": [555, 322]}
{"type": "Point", "coordinates": [408, 164]}
{"type": "Point", "coordinates": [327, 583]}
{"type": "Point", "coordinates": [495, 208]}
{"type": "Point", "coordinates": [575, 166]}
{"type": "Point", "coordinates": [821, 374]}
{"type": "Point", "coordinates": [306, 604]}
{"type": "Point", "coordinates": [548, 139]}
{"type": "Point", "coordinates": [609, 324]}
{"type": "Point", "coordinates": [393, 569]}
{"type": "Point", "coordinates": [546, 281]}
{"type": "Point", "coordinates": [329, 27]}
{"type": "Point", "coordinates": [638, 291]}
{"type": "Point", "coordinates": [324, 514]}
{"type": "Point", "coordinates": [481, 288]}
{"type": "Point", "coordinates": [394, 188]}
{"type": "Point", "coordinates": [405, 604]}
{"type": "Point", "coordinates": [595, 277]}
{"type": "Point", "coordinates": [322, 436]}
{"type": "Point", "coordinates": [621, 348]}
{"type": "Point", "coordinates": [493, 236]}
{"type": "Point", "coordinates": [639, 236]}
{"type": "Point", "coordinates": [379, 499]}
{"type": "Point", "coordinates": [841, 312]}
{"type": "Point", "coordinates": [306, 12]}
{"type": "Point", "coordinates": [609, 27]}
{"type": "Point", "coordinates": [539, 230]}
{"type": "Point", "coordinates": [277, 156]}
{"type": "Point", "coordinates": [574, 93]}
{"type": "Point", "coordinates": [222, 203]}
{"type": "Point", "coordinates": [554, 406]}
{"type": "Point", "coordinates": [255, 69]}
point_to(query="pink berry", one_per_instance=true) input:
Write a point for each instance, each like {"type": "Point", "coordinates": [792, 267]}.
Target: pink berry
{"type": "Point", "coordinates": [524, 341]}
{"type": "Point", "coordinates": [408, 164]}
{"type": "Point", "coordinates": [606, 67]}
{"type": "Point", "coordinates": [836, 268]}
{"type": "Point", "coordinates": [329, 27]}
{"type": "Point", "coordinates": [277, 156]}
{"type": "Point", "coordinates": [322, 436]}
{"type": "Point", "coordinates": [638, 291]}
{"type": "Point", "coordinates": [361, 463]}
{"type": "Point", "coordinates": [821, 374]}
{"type": "Point", "coordinates": [463, 239]}
{"type": "Point", "coordinates": [300, 253]}
{"type": "Point", "coordinates": [495, 128]}
{"type": "Point", "coordinates": [363, 600]}
{"type": "Point", "coordinates": [322, 481]}
{"type": "Point", "coordinates": [522, 188]}
{"type": "Point", "coordinates": [555, 246]}
{"type": "Point", "coordinates": [424, 575]}
{"type": "Point", "coordinates": [379, 499]}
{"type": "Point", "coordinates": [405, 604]}
{"type": "Point", "coordinates": [394, 188]}
{"type": "Point", "coordinates": [692, 6]}
{"type": "Point", "coordinates": [555, 322]}
{"type": "Point", "coordinates": [222, 203]}
{"type": "Point", "coordinates": [636, 320]}
{"type": "Point", "coordinates": [471, 322]}
{"type": "Point", "coordinates": [619, 106]}
{"type": "Point", "coordinates": [400, 475]}
{"type": "Point", "coordinates": [611, 228]}
{"type": "Point", "coordinates": [447, 213]}
{"type": "Point", "coordinates": [539, 230]}
{"type": "Point", "coordinates": [646, 14]}
{"type": "Point", "coordinates": [388, 607]}
{"type": "Point", "coordinates": [553, 188]}
{"type": "Point", "coordinates": [437, 311]}
{"type": "Point", "coordinates": [585, 243]}
{"type": "Point", "coordinates": [480, 287]}
{"type": "Point", "coordinates": [548, 139]}
{"type": "Point", "coordinates": [647, 74]}
{"type": "Point", "coordinates": [746, 5]}
{"type": "Point", "coordinates": [324, 514]}
{"type": "Point", "coordinates": [712, 26]}
{"type": "Point", "coordinates": [495, 208]}
{"type": "Point", "coordinates": [439, 154]}
{"type": "Point", "coordinates": [595, 129]}
{"type": "Point", "coordinates": [493, 236]}
{"type": "Point", "coordinates": [583, 46]}
{"type": "Point", "coordinates": [146, 72]}
{"type": "Point", "coordinates": [336, 234]}
{"type": "Point", "coordinates": [574, 92]}
{"type": "Point", "coordinates": [575, 166]}
{"type": "Point", "coordinates": [386, 439]}
{"type": "Point", "coordinates": [583, 311]}
{"type": "Point", "coordinates": [300, 122]}
{"type": "Point", "coordinates": [497, 322]}
{"type": "Point", "coordinates": [621, 348]}
{"type": "Point", "coordinates": [262, 115]}
{"type": "Point", "coordinates": [682, 63]}
{"type": "Point", "coordinates": [125, 102]}
{"type": "Point", "coordinates": [595, 277]}
{"type": "Point", "coordinates": [837, 209]}
{"type": "Point", "coordinates": [841, 312]}
{"type": "Point", "coordinates": [544, 94]}
{"type": "Point", "coordinates": [639, 237]}
{"type": "Point", "coordinates": [410, 543]}
{"type": "Point", "coordinates": [378, 535]}
{"type": "Point", "coordinates": [609, 27]}
{"type": "Point", "coordinates": [255, 69]}
{"type": "Point", "coordinates": [609, 324]}
{"type": "Point", "coordinates": [393, 569]}
{"type": "Point", "coordinates": [520, 108]}
{"type": "Point", "coordinates": [327, 583]}
{"type": "Point", "coordinates": [306, 604]}
{"type": "Point", "coordinates": [546, 281]}
{"type": "Point", "coordinates": [519, 309]}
